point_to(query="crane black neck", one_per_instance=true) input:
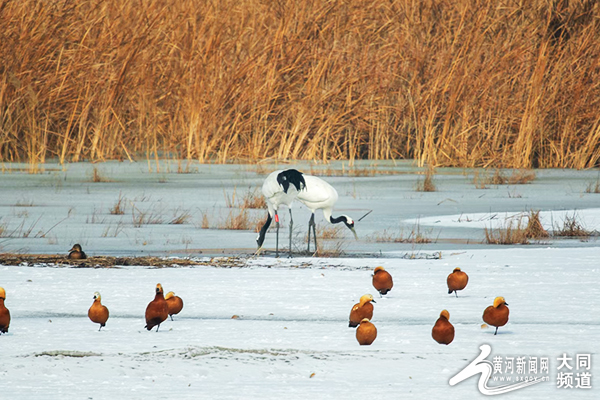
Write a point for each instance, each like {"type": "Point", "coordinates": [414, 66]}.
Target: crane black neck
{"type": "Point", "coordinates": [341, 218]}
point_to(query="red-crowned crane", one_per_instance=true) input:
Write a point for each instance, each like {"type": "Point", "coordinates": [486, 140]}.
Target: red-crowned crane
{"type": "Point", "coordinates": [320, 195]}
{"type": "Point", "coordinates": [280, 188]}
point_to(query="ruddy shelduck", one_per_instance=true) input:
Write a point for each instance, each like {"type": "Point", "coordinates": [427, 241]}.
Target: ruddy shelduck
{"type": "Point", "coordinates": [4, 313]}
{"type": "Point", "coordinates": [362, 309]}
{"type": "Point", "coordinates": [443, 330]}
{"type": "Point", "coordinates": [76, 253]}
{"type": "Point", "coordinates": [496, 314]}
{"type": "Point", "coordinates": [157, 310]}
{"type": "Point", "coordinates": [382, 281]}
{"type": "Point", "coordinates": [456, 281]}
{"type": "Point", "coordinates": [97, 312]}
{"type": "Point", "coordinates": [366, 332]}
{"type": "Point", "coordinates": [174, 303]}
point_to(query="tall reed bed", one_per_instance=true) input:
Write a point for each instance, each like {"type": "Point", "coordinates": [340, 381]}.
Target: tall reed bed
{"type": "Point", "coordinates": [448, 83]}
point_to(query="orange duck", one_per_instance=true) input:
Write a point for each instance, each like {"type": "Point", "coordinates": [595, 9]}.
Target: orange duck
{"type": "Point", "coordinates": [366, 332]}
{"type": "Point", "coordinates": [76, 253]}
{"type": "Point", "coordinates": [363, 309]}
{"type": "Point", "coordinates": [443, 330]}
{"type": "Point", "coordinates": [157, 310]}
{"type": "Point", "coordinates": [496, 314]}
{"type": "Point", "coordinates": [174, 303]}
{"type": "Point", "coordinates": [97, 312]}
{"type": "Point", "coordinates": [382, 281]}
{"type": "Point", "coordinates": [456, 281]}
{"type": "Point", "coordinates": [4, 313]}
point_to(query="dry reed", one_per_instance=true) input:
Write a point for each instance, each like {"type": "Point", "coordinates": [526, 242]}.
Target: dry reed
{"type": "Point", "coordinates": [427, 184]}
{"type": "Point", "coordinates": [330, 250]}
{"type": "Point", "coordinates": [534, 228]}
{"type": "Point", "coordinates": [521, 177]}
{"type": "Point", "coordinates": [511, 233]}
{"type": "Point", "coordinates": [593, 187]}
{"type": "Point", "coordinates": [119, 207]}
{"type": "Point", "coordinates": [240, 219]}
{"type": "Point", "coordinates": [180, 217]}
{"type": "Point", "coordinates": [455, 83]}
{"type": "Point", "coordinates": [416, 235]}
{"type": "Point", "coordinates": [97, 176]}
{"type": "Point", "coordinates": [253, 199]}
{"type": "Point", "coordinates": [571, 227]}
{"type": "Point", "coordinates": [205, 222]}
{"type": "Point", "coordinates": [517, 177]}
{"type": "Point", "coordinates": [327, 232]}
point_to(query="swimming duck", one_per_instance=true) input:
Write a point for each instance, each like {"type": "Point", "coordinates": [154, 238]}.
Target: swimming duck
{"type": "Point", "coordinates": [366, 332]}
{"type": "Point", "coordinates": [4, 313]}
{"type": "Point", "coordinates": [382, 281]}
{"type": "Point", "coordinates": [76, 253]}
{"type": "Point", "coordinates": [157, 310]}
{"type": "Point", "coordinates": [456, 281]}
{"type": "Point", "coordinates": [97, 312]}
{"type": "Point", "coordinates": [496, 314]}
{"type": "Point", "coordinates": [174, 303]}
{"type": "Point", "coordinates": [443, 330]}
{"type": "Point", "coordinates": [362, 309]}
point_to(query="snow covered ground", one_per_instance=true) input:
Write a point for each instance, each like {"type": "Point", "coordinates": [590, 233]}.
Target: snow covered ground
{"type": "Point", "coordinates": [292, 313]}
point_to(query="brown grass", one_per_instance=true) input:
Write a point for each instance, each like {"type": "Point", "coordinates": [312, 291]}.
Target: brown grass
{"type": "Point", "coordinates": [140, 218]}
{"type": "Point", "coordinates": [521, 177]}
{"type": "Point", "coordinates": [330, 251]}
{"type": "Point", "coordinates": [498, 178]}
{"type": "Point", "coordinates": [97, 176]}
{"type": "Point", "coordinates": [427, 184]}
{"type": "Point", "coordinates": [109, 262]}
{"type": "Point", "coordinates": [517, 177]}
{"type": "Point", "coordinates": [571, 227]}
{"type": "Point", "coordinates": [534, 228]}
{"type": "Point", "coordinates": [327, 232]}
{"type": "Point", "coordinates": [113, 230]}
{"type": "Point", "coordinates": [241, 219]}
{"type": "Point", "coordinates": [205, 222]}
{"type": "Point", "coordinates": [353, 171]}
{"type": "Point", "coordinates": [416, 235]}
{"type": "Point", "coordinates": [22, 231]}
{"type": "Point", "coordinates": [119, 207]}
{"type": "Point", "coordinates": [253, 198]}
{"type": "Point", "coordinates": [593, 187]}
{"type": "Point", "coordinates": [511, 233]}
{"type": "Point", "coordinates": [180, 217]}
{"type": "Point", "coordinates": [24, 203]}
{"type": "Point", "coordinates": [187, 169]}
{"type": "Point", "coordinates": [453, 83]}
{"type": "Point", "coordinates": [480, 180]}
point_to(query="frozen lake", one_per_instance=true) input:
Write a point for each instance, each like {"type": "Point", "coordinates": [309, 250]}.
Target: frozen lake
{"type": "Point", "coordinates": [290, 337]}
{"type": "Point", "coordinates": [49, 212]}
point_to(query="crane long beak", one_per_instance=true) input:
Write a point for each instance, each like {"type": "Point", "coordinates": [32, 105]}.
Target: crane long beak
{"type": "Point", "coordinates": [355, 235]}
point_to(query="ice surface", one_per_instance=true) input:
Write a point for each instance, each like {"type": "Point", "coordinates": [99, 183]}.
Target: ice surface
{"type": "Point", "coordinates": [292, 313]}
